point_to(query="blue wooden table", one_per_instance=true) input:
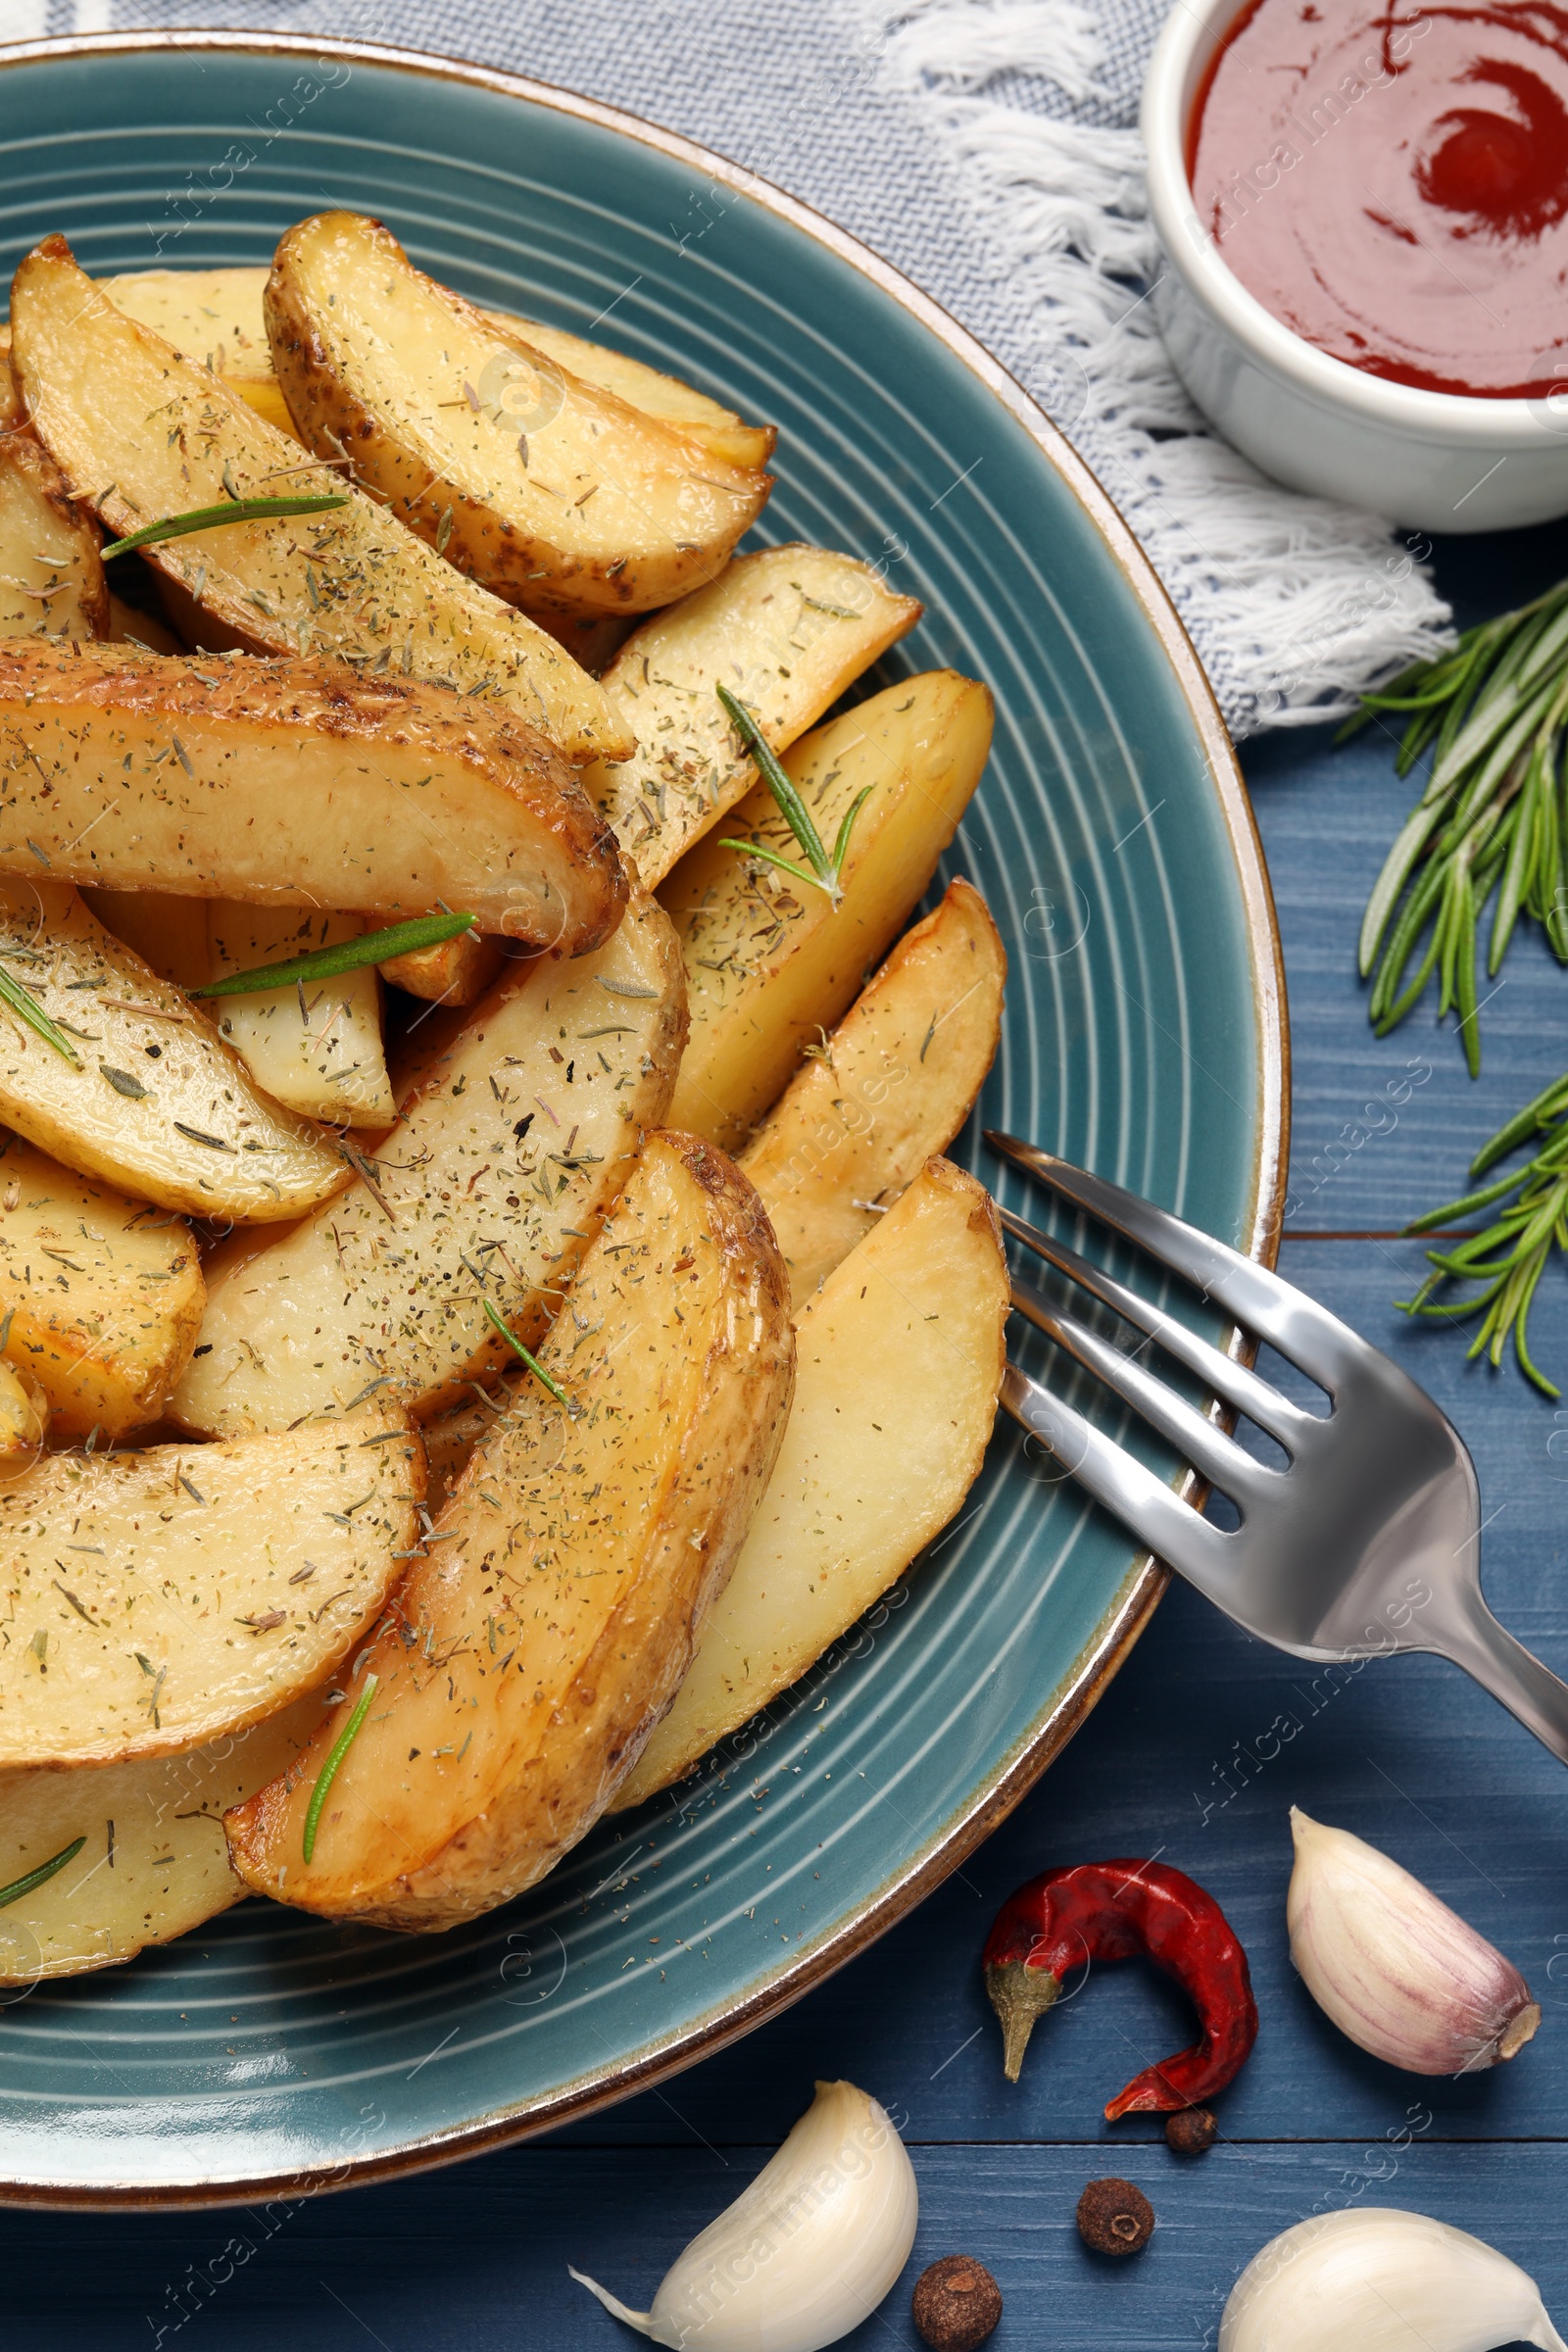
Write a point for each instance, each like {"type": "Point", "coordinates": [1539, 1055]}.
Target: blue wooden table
{"type": "Point", "coordinates": [1197, 1753]}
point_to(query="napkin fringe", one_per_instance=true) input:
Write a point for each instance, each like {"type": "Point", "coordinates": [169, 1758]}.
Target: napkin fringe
{"type": "Point", "coordinates": [1295, 605]}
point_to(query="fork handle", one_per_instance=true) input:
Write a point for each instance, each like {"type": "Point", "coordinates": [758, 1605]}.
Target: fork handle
{"type": "Point", "coordinates": [1513, 1674]}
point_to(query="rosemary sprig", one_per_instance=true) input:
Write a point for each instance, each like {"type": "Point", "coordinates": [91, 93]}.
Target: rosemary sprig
{"type": "Point", "coordinates": [532, 1362]}
{"type": "Point", "coordinates": [826, 870]}
{"type": "Point", "coordinates": [329, 1770]}
{"type": "Point", "coordinates": [1509, 1258]}
{"type": "Point", "coordinates": [1494, 817]}
{"type": "Point", "coordinates": [26, 1007]}
{"type": "Point", "coordinates": [45, 1870]}
{"type": "Point", "coordinates": [208, 518]}
{"type": "Point", "coordinates": [348, 955]}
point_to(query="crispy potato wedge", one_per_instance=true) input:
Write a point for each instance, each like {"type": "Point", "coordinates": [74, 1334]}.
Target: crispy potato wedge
{"type": "Point", "coordinates": [771, 962]}
{"type": "Point", "coordinates": [893, 1085]}
{"type": "Point", "coordinates": [51, 573]}
{"type": "Point", "coordinates": [23, 1423]}
{"type": "Point", "coordinates": [214, 318]}
{"type": "Point", "coordinates": [551, 491]}
{"type": "Point", "coordinates": [900, 1358]}
{"type": "Point", "coordinates": [545, 1632]}
{"type": "Point", "coordinates": [294, 784]}
{"type": "Point", "coordinates": [155, 1862]}
{"type": "Point", "coordinates": [488, 1188]}
{"type": "Point", "coordinates": [716, 429]}
{"type": "Point", "coordinates": [156, 1102]}
{"type": "Point", "coordinates": [157, 1600]}
{"type": "Point", "coordinates": [13, 415]}
{"type": "Point", "coordinates": [457, 972]}
{"type": "Point", "coordinates": [169, 934]}
{"type": "Point", "coordinates": [316, 1048]}
{"type": "Point", "coordinates": [449, 1439]}
{"type": "Point", "coordinates": [100, 1296]}
{"type": "Point", "coordinates": [143, 433]}
{"type": "Point", "coordinates": [129, 624]}
{"type": "Point", "coordinates": [786, 630]}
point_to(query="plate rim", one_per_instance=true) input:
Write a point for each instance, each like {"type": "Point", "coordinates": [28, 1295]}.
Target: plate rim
{"type": "Point", "coordinates": [1098, 1664]}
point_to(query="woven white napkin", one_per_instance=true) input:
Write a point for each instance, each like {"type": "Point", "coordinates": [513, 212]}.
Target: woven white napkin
{"type": "Point", "coordinates": [985, 147]}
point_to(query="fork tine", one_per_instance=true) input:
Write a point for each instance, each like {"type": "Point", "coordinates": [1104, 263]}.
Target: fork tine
{"type": "Point", "coordinates": [1214, 1368]}
{"type": "Point", "coordinates": [1303, 1332]}
{"type": "Point", "coordinates": [1157, 1517]}
{"type": "Point", "coordinates": [1206, 1447]}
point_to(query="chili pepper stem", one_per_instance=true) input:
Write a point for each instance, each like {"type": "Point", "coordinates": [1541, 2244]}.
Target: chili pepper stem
{"type": "Point", "coordinates": [1020, 1996]}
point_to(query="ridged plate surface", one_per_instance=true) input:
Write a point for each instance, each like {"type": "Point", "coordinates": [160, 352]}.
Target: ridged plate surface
{"type": "Point", "coordinates": [1143, 1037]}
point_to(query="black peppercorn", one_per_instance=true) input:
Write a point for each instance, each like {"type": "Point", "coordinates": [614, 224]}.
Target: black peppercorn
{"type": "Point", "coordinates": [956, 2304]}
{"type": "Point", "coordinates": [1114, 2217]}
{"type": "Point", "coordinates": [1191, 2130]}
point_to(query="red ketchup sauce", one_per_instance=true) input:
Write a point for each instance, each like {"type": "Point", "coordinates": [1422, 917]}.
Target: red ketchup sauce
{"type": "Point", "coordinates": [1392, 183]}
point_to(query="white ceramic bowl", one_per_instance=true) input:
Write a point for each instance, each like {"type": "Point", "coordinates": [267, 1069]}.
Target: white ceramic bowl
{"type": "Point", "coordinates": [1429, 459]}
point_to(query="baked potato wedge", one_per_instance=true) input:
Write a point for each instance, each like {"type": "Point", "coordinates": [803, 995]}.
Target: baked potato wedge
{"type": "Point", "coordinates": [449, 1439]}
{"type": "Point", "coordinates": [547, 1628]}
{"type": "Point", "coordinates": [214, 318]}
{"type": "Point", "coordinates": [893, 1084]}
{"type": "Point", "coordinates": [294, 783]}
{"type": "Point", "coordinates": [899, 1357]}
{"type": "Point", "coordinates": [455, 972]}
{"type": "Point", "coordinates": [770, 963]}
{"type": "Point", "coordinates": [693, 413]}
{"type": "Point", "coordinates": [141, 432]}
{"type": "Point", "coordinates": [129, 624]}
{"type": "Point", "coordinates": [168, 933]}
{"type": "Point", "coordinates": [487, 1188]}
{"type": "Point", "coordinates": [316, 1048]}
{"type": "Point", "coordinates": [153, 1862]}
{"type": "Point", "coordinates": [100, 1296]}
{"type": "Point", "coordinates": [786, 630]}
{"type": "Point", "coordinates": [23, 1423]}
{"type": "Point", "coordinates": [51, 573]}
{"type": "Point", "coordinates": [548, 490]}
{"type": "Point", "coordinates": [153, 1101]}
{"type": "Point", "coordinates": [157, 1601]}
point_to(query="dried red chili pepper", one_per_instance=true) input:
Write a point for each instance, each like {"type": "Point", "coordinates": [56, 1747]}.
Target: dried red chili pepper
{"type": "Point", "coordinates": [1121, 1911]}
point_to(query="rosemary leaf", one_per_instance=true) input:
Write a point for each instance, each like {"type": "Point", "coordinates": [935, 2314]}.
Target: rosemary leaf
{"type": "Point", "coordinates": [1492, 823]}
{"type": "Point", "coordinates": [329, 1770]}
{"type": "Point", "coordinates": [26, 1007]}
{"type": "Point", "coordinates": [1509, 1258]}
{"type": "Point", "coordinates": [208, 518]}
{"type": "Point", "coordinates": [348, 955]}
{"type": "Point", "coordinates": [532, 1362]}
{"type": "Point", "coordinates": [826, 871]}
{"type": "Point", "coordinates": [36, 1877]}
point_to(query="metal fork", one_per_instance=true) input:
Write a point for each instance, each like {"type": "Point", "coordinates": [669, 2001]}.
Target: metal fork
{"type": "Point", "coordinates": [1368, 1541]}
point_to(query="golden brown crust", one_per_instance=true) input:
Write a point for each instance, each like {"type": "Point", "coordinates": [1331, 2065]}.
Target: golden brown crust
{"type": "Point", "coordinates": [354, 582]}
{"type": "Point", "coordinates": [27, 455]}
{"type": "Point", "coordinates": [711, 1433]}
{"type": "Point", "coordinates": [310, 697]}
{"type": "Point", "coordinates": [533, 542]}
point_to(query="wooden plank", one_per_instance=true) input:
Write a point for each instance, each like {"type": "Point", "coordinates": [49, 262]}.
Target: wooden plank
{"type": "Point", "coordinates": [1384, 1129]}
{"type": "Point", "coordinates": [478, 2257]}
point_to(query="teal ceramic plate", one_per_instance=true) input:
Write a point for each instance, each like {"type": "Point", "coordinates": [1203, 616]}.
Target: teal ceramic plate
{"type": "Point", "coordinates": [1145, 1037]}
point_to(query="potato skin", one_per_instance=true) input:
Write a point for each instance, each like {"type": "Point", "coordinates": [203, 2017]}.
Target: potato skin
{"type": "Point", "coordinates": [592, 1566]}
{"type": "Point", "coordinates": [322, 724]}
{"type": "Point", "coordinates": [344, 301]}
{"type": "Point", "coordinates": [38, 516]}
{"type": "Point", "coordinates": [354, 581]}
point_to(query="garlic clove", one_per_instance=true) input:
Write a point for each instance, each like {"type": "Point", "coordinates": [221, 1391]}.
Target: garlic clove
{"type": "Point", "coordinates": [806, 2253]}
{"type": "Point", "coordinates": [1394, 1968]}
{"type": "Point", "coordinates": [1381, 2281]}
